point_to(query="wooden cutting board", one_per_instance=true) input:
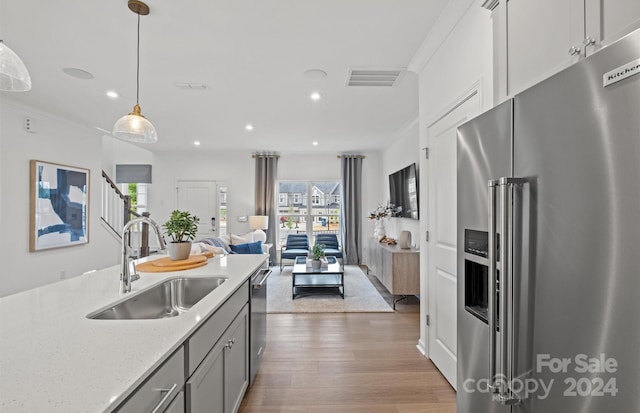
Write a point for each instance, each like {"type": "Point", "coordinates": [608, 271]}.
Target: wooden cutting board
{"type": "Point", "coordinates": [167, 264]}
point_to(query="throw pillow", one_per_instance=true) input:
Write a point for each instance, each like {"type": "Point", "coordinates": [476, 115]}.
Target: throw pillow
{"type": "Point", "coordinates": [248, 248]}
{"type": "Point", "coordinates": [239, 239]}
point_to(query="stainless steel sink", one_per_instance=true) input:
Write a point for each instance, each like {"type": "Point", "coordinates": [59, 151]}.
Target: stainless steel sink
{"type": "Point", "coordinates": [168, 299]}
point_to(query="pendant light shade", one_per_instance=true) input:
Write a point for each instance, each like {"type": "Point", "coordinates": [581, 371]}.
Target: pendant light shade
{"type": "Point", "coordinates": [14, 76]}
{"type": "Point", "coordinates": [134, 127]}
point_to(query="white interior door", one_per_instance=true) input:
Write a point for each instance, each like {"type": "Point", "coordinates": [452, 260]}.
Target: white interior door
{"type": "Point", "coordinates": [200, 198]}
{"type": "Point", "coordinates": [441, 248]}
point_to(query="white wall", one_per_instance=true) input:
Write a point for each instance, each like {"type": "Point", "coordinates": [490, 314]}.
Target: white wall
{"type": "Point", "coordinates": [57, 141]}
{"type": "Point", "coordinates": [462, 59]}
{"type": "Point", "coordinates": [237, 169]}
{"type": "Point", "coordinates": [403, 152]}
{"type": "Point", "coordinates": [117, 152]}
{"type": "Point", "coordinates": [234, 168]}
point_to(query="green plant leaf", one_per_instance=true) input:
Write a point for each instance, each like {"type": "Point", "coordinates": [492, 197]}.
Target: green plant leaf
{"type": "Point", "coordinates": [181, 226]}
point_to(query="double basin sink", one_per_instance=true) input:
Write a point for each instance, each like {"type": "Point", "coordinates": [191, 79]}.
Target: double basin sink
{"type": "Point", "coordinates": [167, 299]}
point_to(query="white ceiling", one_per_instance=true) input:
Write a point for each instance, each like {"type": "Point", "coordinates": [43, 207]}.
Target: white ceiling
{"type": "Point", "coordinates": [251, 54]}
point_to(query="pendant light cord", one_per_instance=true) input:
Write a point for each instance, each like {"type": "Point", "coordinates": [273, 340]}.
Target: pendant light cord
{"type": "Point", "coordinates": [138, 64]}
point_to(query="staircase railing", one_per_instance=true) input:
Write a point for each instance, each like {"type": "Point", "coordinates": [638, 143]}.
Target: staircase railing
{"type": "Point", "coordinates": [116, 212]}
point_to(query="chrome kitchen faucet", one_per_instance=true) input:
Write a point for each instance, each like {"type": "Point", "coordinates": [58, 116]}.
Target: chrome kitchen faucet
{"type": "Point", "coordinates": [125, 273]}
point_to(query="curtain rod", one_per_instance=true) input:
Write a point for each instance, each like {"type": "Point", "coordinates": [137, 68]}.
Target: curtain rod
{"type": "Point", "coordinates": [352, 156]}
{"type": "Point", "coordinates": [265, 155]}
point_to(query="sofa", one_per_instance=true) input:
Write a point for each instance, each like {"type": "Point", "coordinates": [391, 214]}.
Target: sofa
{"type": "Point", "coordinates": [248, 243]}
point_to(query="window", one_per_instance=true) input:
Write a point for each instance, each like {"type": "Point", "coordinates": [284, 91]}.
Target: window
{"type": "Point", "coordinates": [310, 212]}
{"type": "Point", "coordinates": [138, 194]}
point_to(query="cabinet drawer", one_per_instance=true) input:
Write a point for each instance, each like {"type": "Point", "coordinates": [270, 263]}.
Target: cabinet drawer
{"type": "Point", "coordinates": [208, 334]}
{"type": "Point", "coordinates": [177, 405]}
{"type": "Point", "coordinates": [159, 389]}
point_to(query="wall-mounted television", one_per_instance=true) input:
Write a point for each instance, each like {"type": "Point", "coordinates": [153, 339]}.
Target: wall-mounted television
{"type": "Point", "coordinates": [403, 192]}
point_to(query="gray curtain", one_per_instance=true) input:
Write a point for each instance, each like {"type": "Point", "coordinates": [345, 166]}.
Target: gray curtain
{"type": "Point", "coordinates": [265, 202]}
{"type": "Point", "coordinates": [351, 215]}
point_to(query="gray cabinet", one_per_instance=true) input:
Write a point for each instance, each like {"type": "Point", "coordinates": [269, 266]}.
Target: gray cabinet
{"type": "Point", "coordinates": [177, 406]}
{"type": "Point", "coordinates": [157, 392]}
{"type": "Point", "coordinates": [218, 358]}
{"type": "Point", "coordinates": [236, 362]}
{"type": "Point", "coordinates": [215, 358]}
{"type": "Point", "coordinates": [205, 388]}
{"type": "Point", "coordinates": [219, 383]}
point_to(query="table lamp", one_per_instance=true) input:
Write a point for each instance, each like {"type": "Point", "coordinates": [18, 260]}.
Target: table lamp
{"type": "Point", "coordinates": [259, 223]}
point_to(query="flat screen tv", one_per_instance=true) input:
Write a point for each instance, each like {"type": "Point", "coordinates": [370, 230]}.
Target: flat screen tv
{"type": "Point", "coordinates": [403, 192]}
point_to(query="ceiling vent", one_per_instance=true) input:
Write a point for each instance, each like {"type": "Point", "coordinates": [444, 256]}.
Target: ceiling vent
{"type": "Point", "coordinates": [373, 77]}
{"type": "Point", "coordinates": [191, 86]}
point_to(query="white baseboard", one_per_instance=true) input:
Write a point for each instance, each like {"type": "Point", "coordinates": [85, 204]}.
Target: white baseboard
{"type": "Point", "coordinates": [421, 348]}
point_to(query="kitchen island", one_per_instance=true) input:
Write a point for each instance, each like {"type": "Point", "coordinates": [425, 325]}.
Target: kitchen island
{"type": "Point", "coordinates": [54, 359]}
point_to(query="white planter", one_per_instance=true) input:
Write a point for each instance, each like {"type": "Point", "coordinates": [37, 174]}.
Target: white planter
{"type": "Point", "coordinates": [316, 264]}
{"type": "Point", "coordinates": [179, 250]}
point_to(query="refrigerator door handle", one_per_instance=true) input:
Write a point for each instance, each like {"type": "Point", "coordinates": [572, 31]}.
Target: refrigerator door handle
{"type": "Point", "coordinates": [493, 283]}
{"type": "Point", "coordinates": [507, 305]}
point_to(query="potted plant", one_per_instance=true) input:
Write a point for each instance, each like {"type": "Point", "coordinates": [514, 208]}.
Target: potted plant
{"type": "Point", "coordinates": [181, 228]}
{"type": "Point", "coordinates": [317, 252]}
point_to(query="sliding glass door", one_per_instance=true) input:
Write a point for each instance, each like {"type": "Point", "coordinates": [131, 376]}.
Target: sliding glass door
{"type": "Point", "coordinates": [308, 207]}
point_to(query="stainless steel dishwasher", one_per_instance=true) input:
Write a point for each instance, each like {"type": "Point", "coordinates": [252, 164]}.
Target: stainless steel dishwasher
{"type": "Point", "coordinates": [258, 326]}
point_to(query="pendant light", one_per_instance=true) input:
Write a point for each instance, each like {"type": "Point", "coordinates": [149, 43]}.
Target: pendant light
{"type": "Point", "coordinates": [134, 127]}
{"type": "Point", "coordinates": [14, 76]}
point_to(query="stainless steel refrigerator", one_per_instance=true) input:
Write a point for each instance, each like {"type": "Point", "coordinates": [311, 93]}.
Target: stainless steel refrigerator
{"type": "Point", "coordinates": [549, 244]}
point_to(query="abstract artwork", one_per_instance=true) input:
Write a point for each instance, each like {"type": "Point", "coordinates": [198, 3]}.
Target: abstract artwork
{"type": "Point", "coordinates": [59, 204]}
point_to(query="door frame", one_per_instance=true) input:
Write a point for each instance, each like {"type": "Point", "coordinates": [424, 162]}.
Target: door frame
{"type": "Point", "coordinates": [425, 141]}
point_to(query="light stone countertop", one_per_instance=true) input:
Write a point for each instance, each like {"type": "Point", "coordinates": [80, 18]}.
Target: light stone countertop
{"type": "Point", "coordinates": [54, 359]}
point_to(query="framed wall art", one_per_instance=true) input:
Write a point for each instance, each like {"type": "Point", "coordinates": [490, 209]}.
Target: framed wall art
{"type": "Point", "coordinates": [59, 206]}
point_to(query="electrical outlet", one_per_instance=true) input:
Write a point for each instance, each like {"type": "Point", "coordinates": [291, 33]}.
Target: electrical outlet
{"type": "Point", "coordinates": [29, 125]}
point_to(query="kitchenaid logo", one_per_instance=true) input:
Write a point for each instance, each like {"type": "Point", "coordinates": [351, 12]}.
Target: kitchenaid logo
{"type": "Point", "coordinates": [583, 376]}
{"type": "Point", "coordinates": [621, 73]}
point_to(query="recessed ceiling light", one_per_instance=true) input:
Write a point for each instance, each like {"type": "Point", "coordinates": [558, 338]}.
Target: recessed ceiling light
{"type": "Point", "coordinates": [315, 96]}
{"type": "Point", "coordinates": [112, 94]}
{"type": "Point", "coordinates": [314, 143]}
{"type": "Point", "coordinates": [77, 73]}
{"type": "Point", "coordinates": [196, 143]}
{"type": "Point", "coordinates": [249, 126]}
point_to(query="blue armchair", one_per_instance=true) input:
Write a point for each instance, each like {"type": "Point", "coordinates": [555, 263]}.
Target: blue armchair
{"type": "Point", "coordinates": [331, 246]}
{"type": "Point", "coordinates": [297, 246]}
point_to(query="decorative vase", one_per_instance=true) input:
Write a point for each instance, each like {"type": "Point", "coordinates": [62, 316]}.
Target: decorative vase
{"type": "Point", "coordinates": [179, 250]}
{"type": "Point", "coordinates": [316, 264]}
{"type": "Point", "coordinates": [405, 240]}
{"type": "Point", "coordinates": [379, 231]}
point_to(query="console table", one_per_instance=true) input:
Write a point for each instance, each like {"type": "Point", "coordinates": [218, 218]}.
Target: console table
{"type": "Point", "coordinates": [397, 269]}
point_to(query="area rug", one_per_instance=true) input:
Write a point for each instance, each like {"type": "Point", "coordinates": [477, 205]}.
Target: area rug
{"type": "Point", "coordinates": [360, 295]}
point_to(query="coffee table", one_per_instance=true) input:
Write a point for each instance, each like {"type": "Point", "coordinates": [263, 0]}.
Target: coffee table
{"type": "Point", "coordinates": [326, 280]}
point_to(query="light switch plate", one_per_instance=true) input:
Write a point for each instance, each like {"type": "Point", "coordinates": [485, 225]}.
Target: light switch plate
{"type": "Point", "coordinates": [242, 218]}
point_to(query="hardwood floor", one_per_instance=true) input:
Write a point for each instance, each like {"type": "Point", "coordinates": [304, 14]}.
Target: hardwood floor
{"type": "Point", "coordinates": [347, 362]}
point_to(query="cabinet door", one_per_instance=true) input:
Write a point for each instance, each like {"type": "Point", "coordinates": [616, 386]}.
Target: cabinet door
{"type": "Point", "coordinates": [387, 271]}
{"type": "Point", "coordinates": [236, 362]}
{"type": "Point", "coordinates": [159, 388]}
{"type": "Point", "coordinates": [539, 36]}
{"type": "Point", "coordinates": [609, 20]}
{"type": "Point", "coordinates": [177, 405]}
{"type": "Point", "coordinates": [205, 389]}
